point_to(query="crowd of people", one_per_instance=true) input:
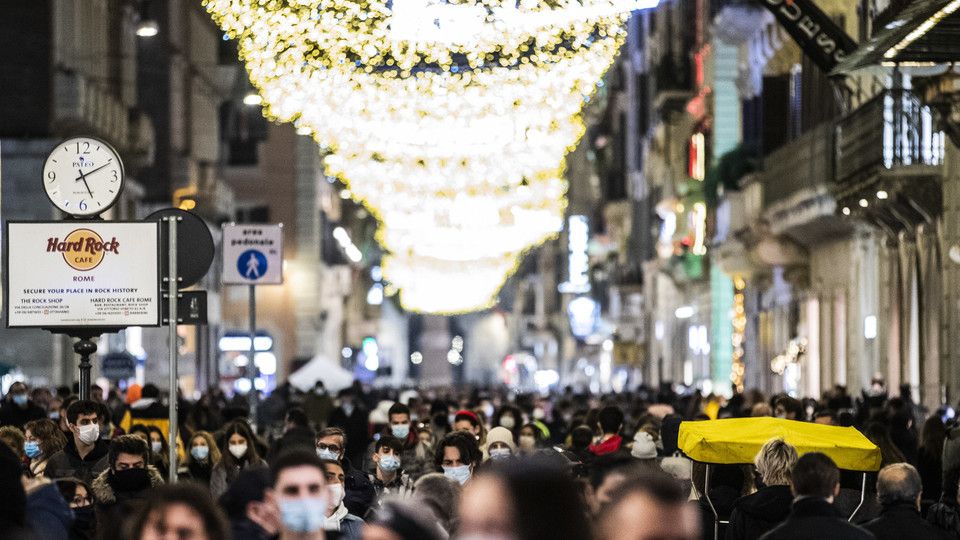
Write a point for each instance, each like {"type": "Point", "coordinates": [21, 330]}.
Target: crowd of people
{"type": "Point", "coordinates": [478, 463]}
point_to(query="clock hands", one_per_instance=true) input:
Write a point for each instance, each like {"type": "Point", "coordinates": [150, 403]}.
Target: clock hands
{"type": "Point", "coordinates": [83, 176]}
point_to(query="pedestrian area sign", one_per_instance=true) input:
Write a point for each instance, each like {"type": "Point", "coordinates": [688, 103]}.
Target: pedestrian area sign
{"type": "Point", "coordinates": [252, 254]}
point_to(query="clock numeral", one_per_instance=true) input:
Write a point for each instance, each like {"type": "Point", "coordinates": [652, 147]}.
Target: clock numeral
{"type": "Point", "coordinates": [52, 176]}
{"type": "Point", "coordinates": [115, 176]}
{"type": "Point", "coordinates": [83, 204]}
{"type": "Point", "coordinates": [86, 147]}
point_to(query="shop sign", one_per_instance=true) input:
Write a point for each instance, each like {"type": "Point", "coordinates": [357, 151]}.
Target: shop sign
{"type": "Point", "coordinates": [818, 36]}
{"type": "Point", "coordinates": [73, 274]}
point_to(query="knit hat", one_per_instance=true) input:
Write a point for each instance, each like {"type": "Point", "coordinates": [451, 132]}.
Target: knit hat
{"type": "Point", "coordinates": [643, 446]}
{"type": "Point", "coordinates": [501, 434]}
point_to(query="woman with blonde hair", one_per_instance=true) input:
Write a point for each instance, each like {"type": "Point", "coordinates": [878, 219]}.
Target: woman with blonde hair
{"type": "Point", "coordinates": [202, 457]}
{"type": "Point", "coordinates": [760, 512]}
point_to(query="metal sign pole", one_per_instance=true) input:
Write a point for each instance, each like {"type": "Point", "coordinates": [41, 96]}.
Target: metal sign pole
{"type": "Point", "coordinates": [251, 364]}
{"type": "Point", "coordinates": [172, 294]}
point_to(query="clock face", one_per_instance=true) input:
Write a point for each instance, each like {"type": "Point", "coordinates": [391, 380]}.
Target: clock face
{"type": "Point", "coordinates": [83, 176]}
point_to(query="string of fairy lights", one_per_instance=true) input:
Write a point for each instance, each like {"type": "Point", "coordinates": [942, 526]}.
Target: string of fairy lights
{"type": "Point", "coordinates": [449, 121]}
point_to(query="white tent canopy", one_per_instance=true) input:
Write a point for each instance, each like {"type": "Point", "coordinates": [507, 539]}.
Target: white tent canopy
{"type": "Point", "coordinates": [319, 368]}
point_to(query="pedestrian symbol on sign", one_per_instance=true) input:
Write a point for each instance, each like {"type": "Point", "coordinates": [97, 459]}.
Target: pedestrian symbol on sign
{"type": "Point", "coordinates": [252, 264]}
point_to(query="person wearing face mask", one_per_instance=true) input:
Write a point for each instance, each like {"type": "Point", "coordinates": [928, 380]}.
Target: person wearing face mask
{"type": "Point", "coordinates": [239, 453]}
{"type": "Point", "coordinates": [389, 479]}
{"type": "Point", "coordinates": [500, 444]}
{"type": "Point", "coordinates": [337, 517]}
{"type": "Point", "coordinates": [200, 460]}
{"type": "Point", "coordinates": [457, 456]}
{"type": "Point", "coordinates": [85, 456]}
{"type": "Point", "coordinates": [80, 500]}
{"type": "Point", "coordinates": [120, 490]}
{"type": "Point", "coordinates": [157, 457]}
{"type": "Point", "coordinates": [416, 454]}
{"type": "Point", "coordinates": [42, 439]}
{"type": "Point", "coordinates": [299, 496]}
{"type": "Point", "coordinates": [510, 418]}
{"type": "Point", "coordinates": [360, 496]}
{"type": "Point", "coordinates": [18, 409]}
{"type": "Point", "coordinates": [529, 440]}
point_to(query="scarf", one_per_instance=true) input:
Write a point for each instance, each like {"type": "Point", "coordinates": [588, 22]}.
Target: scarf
{"type": "Point", "coordinates": [332, 523]}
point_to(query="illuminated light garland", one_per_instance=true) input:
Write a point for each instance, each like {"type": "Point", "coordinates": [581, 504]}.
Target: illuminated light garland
{"type": "Point", "coordinates": [449, 122]}
{"type": "Point", "coordinates": [738, 368]}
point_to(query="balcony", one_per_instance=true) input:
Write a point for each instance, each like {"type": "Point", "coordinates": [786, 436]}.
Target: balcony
{"type": "Point", "coordinates": [804, 165]}
{"type": "Point", "coordinates": [892, 134]}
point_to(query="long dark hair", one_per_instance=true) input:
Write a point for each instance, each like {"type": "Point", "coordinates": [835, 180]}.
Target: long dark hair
{"type": "Point", "coordinates": [880, 436]}
{"type": "Point", "coordinates": [238, 427]}
{"type": "Point", "coordinates": [932, 437]}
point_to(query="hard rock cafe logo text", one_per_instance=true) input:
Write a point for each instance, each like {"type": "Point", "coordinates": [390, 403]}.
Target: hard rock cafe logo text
{"type": "Point", "coordinates": [83, 249]}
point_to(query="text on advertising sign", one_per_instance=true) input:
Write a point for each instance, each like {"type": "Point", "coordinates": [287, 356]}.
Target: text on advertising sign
{"type": "Point", "coordinates": [92, 274]}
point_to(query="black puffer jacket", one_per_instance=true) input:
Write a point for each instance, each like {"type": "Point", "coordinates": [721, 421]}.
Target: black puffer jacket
{"type": "Point", "coordinates": [756, 514]}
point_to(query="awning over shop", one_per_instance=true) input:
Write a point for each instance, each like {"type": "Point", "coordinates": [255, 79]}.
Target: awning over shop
{"type": "Point", "coordinates": [925, 33]}
{"type": "Point", "coordinates": [738, 440]}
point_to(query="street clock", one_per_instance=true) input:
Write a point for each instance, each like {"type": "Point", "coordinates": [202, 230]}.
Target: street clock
{"type": "Point", "coordinates": [83, 176]}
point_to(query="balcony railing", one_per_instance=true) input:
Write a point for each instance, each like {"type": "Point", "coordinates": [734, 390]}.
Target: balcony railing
{"type": "Point", "coordinates": [891, 131]}
{"type": "Point", "coordinates": [805, 163]}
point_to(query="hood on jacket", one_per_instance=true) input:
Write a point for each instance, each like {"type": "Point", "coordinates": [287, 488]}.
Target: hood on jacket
{"type": "Point", "coordinates": [103, 491]}
{"type": "Point", "coordinates": [770, 503]}
{"type": "Point", "coordinates": [47, 509]}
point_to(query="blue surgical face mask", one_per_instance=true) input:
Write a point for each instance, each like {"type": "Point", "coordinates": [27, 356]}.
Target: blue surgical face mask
{"type": "Point", "coordinates": [303, 515]}
{"type": "Point", "coordinates": [459, 474]}
{"type": "Point", "coordinates": [389, 463]}
{"type": "Point", "coordinates": [200, 452]}
{"type": "Point", "coordinates": [327, 454]}
{"type": "Point", "coordinates": [32, 449]}
{"type": "Point", "coordinates": [20, 399]}
{"type": "Point", "coordinates": [500, 453]}
{"type": "Point", "coordinates": [400, 431]}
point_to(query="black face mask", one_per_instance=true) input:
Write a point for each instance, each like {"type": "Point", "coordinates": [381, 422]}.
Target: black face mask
{"type": "Point", "coordinates": [130, 480]}
{"type": "Point", "coordinates": [84, 518]}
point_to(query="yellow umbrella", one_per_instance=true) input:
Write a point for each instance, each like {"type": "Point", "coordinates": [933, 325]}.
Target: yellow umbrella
{"type": "Point", "coordinates": [738, 440]}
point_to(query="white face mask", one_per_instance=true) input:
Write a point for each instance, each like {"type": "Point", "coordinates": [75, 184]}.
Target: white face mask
{"type": "Point", "coordinates": [508, 422]}
{"type": "Point", "coordinates": [89, 433]}
{"type": "Point", "coordinates": [336, 494]}
{"type": "Point", "coordinates": [156, 446]}
{"type": "Point", "coordinates": [238, 450]}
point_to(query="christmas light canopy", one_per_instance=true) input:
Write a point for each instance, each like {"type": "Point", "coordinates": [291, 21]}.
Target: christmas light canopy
{"type": "Point", "coordinates": [449, 120]}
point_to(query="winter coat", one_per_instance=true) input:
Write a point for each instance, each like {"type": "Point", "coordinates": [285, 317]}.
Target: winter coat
{"type": "Point", "coordinates": [813, 518]}
{"type": "Point", "coordinates": [348, 525]}
{"type": "Point", "coordinates": [945, 516]}
{"type": "Point", "coordinates": [756, 514]}
{"type": "Point", "coordinates": [902, 520]}
{"type": "Point", "coordinates": [196, 472]}
{"type": "Point", "coordinates": [67, 463]}
{"type": "Point", "coordinates": [221, 478]}
{"type": "Point", "coordinates": [113, 507]}
{"type": "Point", "coordinates": [359, 491]}
{"type": "Point", "coordinates": [48, 514]}
{"type": "Point", "coordinates": [12, 414]}
{"type": "Point", "coordinates": [400, 488]}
